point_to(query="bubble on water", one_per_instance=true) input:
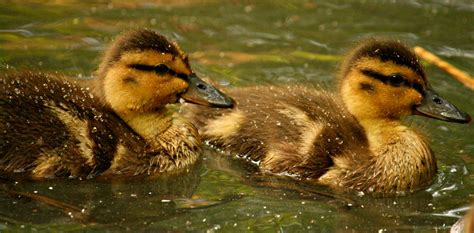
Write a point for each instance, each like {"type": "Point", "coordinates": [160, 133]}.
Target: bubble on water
{"type": "Point", "coordinates": [443, 128]}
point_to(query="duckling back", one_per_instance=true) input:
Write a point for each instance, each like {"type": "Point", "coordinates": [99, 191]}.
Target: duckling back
{"type": "Point", "coordinates": [291, 130]}
{"type": "Point", "coordinates": [46, 121]}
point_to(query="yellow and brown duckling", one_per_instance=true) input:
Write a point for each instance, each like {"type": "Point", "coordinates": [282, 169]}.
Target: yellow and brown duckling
{"type": "Point", "coordinates": [350, 140]}
{"type": "Point", "coordinates": [117, 124]}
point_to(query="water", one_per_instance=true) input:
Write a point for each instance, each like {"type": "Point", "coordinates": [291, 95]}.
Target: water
{"type": "Point", "coordinates": [242, 43]}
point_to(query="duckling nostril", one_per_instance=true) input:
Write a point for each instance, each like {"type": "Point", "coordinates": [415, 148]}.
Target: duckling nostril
{"type": "Point", "coordinates": [437, 100]}
{"type": "Point", "coordinates": [201, 86]}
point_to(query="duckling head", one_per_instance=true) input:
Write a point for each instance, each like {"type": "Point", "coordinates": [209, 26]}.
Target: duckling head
{"type": "Point", "coordinates": [383, 79]}
{"type": "Point", "coordinates": [142, 71]}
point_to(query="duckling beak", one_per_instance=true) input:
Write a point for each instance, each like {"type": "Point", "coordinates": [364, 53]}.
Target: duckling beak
{"type": "Point", "coordinates": [202, 93]}
{"type": "Point", "coordinates": [436, 107]}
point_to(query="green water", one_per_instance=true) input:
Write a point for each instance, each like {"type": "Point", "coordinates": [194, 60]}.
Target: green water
{"type": "Point", "coordinates": [243, 43]}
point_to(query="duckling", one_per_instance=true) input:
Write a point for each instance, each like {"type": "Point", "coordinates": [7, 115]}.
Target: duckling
{"type": "Point", "coordinates": [465, 224]}
{"type": "Point", "coordinates": [352, 140]}
{"type": "Point", "coordinates": [116, 124]}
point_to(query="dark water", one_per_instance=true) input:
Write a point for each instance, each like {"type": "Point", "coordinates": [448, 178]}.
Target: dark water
{"type": "Point", "coordinates": [242, 43]}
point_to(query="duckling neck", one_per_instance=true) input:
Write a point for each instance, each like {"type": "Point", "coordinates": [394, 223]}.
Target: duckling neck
{"type": "Point", "coordinates": [149, 125]}
{"type": "Point", "coordinates": [164, 129]}
{"type": "Point", "coordinates": [402, 159]}
{"type": "Point", "coordinates": [382, 132]}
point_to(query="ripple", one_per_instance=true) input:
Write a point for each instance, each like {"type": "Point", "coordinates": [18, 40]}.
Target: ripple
{"type": "Point", "coordinates": [455, 52]}
{"type": "Point", "coordinates": [22, 32]}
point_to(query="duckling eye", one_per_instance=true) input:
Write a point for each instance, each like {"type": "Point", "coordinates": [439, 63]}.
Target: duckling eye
{"type": "Point", "coordinates": [397, 80]}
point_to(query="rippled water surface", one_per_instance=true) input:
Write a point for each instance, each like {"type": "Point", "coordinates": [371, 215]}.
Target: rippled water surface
{"type": "Point", "coordinates": [242, 43]}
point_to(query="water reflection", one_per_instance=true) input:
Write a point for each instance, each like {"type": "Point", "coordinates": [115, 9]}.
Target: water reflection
{"type": "Point", "coordinates": [95, 202]}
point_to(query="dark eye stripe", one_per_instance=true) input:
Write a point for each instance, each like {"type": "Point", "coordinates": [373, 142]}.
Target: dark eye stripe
{"type": "Point", "coordinates": [159, 69]}
{"type": "Point", "coordinates": [395, 80]}
{"type": "Point", "coordinates": [142, 67]}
